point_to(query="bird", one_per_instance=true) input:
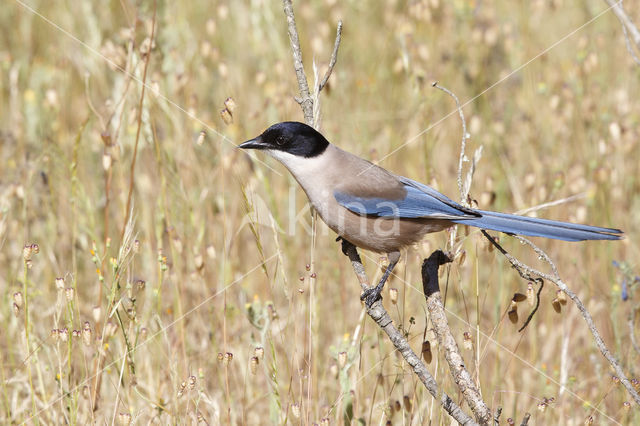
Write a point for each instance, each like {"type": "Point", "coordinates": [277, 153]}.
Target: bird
{"type": "Point", "coordinates": [380, 211]}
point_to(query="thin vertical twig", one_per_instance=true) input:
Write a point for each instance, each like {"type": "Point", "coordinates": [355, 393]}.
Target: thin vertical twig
{"type": "Point", "coordinates": [140, 105]}
{"type": "Point", "coordinates": [305, 101]}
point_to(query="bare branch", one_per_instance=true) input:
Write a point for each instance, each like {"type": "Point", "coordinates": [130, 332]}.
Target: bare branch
{"type": "Point", "coordinates": [305, 101]}
{"type": "Point", "coordinates": [459, 372]}
{"type": "Point", "coordinates": [382, 318]}
{"type": "Point", "coordinates": [334, 57]}
{"type": "Point", "coordinates": [526, 271]}
{"type": "Point", "coordinates": [628, 27]}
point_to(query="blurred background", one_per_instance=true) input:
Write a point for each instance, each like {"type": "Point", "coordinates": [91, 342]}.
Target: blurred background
{"type": "Point", "coordinates": [153, 273]}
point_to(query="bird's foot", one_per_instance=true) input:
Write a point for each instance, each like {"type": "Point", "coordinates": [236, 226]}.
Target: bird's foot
{"type": "Point", "coordinates": [370, 296]}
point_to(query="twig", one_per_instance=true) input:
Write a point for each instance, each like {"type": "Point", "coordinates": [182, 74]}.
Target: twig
{"type": "Point", "coordinates": [305, 101]}
{"type": "Point", "coordinates": [464, 192]}
{"type": "Point", "coordinates": [382, 318]}
{"type": "Point", "coordinates": [459, 372]}
{"type": "Point", "coordinates": [527, 271]}
{"type": "Point", "coordinates": [628, 28]}
{"type": "Point", "coordinates": [525, 419]}
{"type": "Point", "coordinates": [334, 57]}
{"type": "Point", "coordinates": [496, 417]}
{"type": "Point", "coordinates": [140, 104]}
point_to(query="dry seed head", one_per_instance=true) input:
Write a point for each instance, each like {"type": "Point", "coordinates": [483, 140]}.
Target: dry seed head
{"type": "Point", "coordinates": [64, 334]}
{"type": "Point", "coordinates": [55, 333]}
{"type": "Point", "coordinates": [510, 421]}
{"type": "Point", "coordinates": [519, 297]}
{"type": "Point", "coordinates": [313, 275]}
{"type": "Point", "coordinates": [588, 420]}
{"type": "Point", "coordinates": [68, 292]}
{"type": "Point", "coordinates": [181, 389]}
{"type": "Point", "coordinates": [542, 407]}
{"type": "Point", "coordinates": [136, 246]}
{"type": "Point", "coordinates": [253, 365]}
{"type": "Point", "coordinates": [407, 403]}
{"type": "Point", "coordinates": [86, 333]}
{"type": "Point", "coordinates": [124, 419]}
{"type": "Point", "coordinates": [513, 312]}
{"type": "Point", "coordinates": [393, 295]}
{"type": "Point", "coordinates": [192, 382]}
{"type": "Point", "coordinates": [95, 313]}
{"type": "Point", "coordinates": [220, 357]}
{"type": "Point", "coordinates": [28, 263]}
{"type": "Point", "coordinates": [426, 352]}
{"type": "Point", "coordinates": [16, 309]}
{"type": "Point", "coordinates": [259, 352]}
{"type": "Point", "coordinates": [17, 298]}
{"type": "Point", "coordinates": [397, 406]}
{"type": "Point", "coordinates": [201, 137]}
{"type": "Point", "coordinates": [230, 104]}
{"type": "Point", "coordinates": [467, 343]}
{"type": "Point", "coordinates": [75, 334]}
{"type": "Point", "coordinates": [228, 357]}
{"type": "Point", "coordinates": [562, 297]}
{"type": "Point", "coordinates": [333, 370]}
{"type": "Point", "coordinates": [307, 267]}
{"type": "Point", "coordinates": [615, 379]}
{"type": "Point", "coordinates": [106, 162]}
{"type": "Point", "coordinates": [635, 383]}
{"type": "Point", "coordinates": [556, 305]}
{"type": "Point", "coordinates": [325, 421]}
{"type": "Point", "coordinates": [199, 262]}
{"type": "Point", "coordinates": [342, 359]}
{"type": "Point", "coordinates": [110, 329]}
{"type": "Point", "coordinates": [295, 410]}
{"type": "Point", "coordinates": [60, 283]}
{"type": "Point", "coordinates": [626, 405]}
{"type": "Point", "coordinates": [226, 116]}
{"type": "Point", "coordinates": [531, 296]}
{"type": "Point", "coordinates": [27, 250]}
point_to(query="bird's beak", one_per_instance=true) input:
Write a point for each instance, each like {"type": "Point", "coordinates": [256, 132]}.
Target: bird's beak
{"type": "Point", "coordinates": [253, 144]}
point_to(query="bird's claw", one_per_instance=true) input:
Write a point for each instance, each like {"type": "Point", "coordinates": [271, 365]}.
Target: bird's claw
{"type": "Point", "coordinates": [370, 296]}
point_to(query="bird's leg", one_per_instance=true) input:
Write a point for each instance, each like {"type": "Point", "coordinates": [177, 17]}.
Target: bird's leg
{"type": "Point", "coordinates": [372, 294]}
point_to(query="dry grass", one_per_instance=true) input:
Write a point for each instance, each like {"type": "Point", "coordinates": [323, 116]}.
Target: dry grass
{"type": "Point", "coordinates": [202, 278]}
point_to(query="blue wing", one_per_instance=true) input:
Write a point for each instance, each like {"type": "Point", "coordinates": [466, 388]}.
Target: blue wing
{"type": "Point", "coordinates": [419, 201]}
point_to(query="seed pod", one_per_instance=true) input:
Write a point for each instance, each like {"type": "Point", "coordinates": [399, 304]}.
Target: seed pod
{"type": "Point", "coordinates": [342, 359]}
{"type": "Point", "coordinates": [519, 297]}
{"type": "Point", "coordinates": [513, 312]}
{"type": "Point", "coordinates": [17, 298]}
{"type": "Point", "coordinates": [531, 296]}
{"type": "Point", "coordinates": [393, 295]}
{"type": "Point", "coordinates": [426, 352]}
{"type": "Point", "coordinates": [254, 364]}
{"type": "Point", "coordinates": [258, 352]}
{"type": "Point", "coordinates": [562, 297]}
{"type": "Point", "coordinates": [467, 343]}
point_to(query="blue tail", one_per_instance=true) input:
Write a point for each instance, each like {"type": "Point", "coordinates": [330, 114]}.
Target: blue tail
{"type": "Point", "coordinates": [534, 227]}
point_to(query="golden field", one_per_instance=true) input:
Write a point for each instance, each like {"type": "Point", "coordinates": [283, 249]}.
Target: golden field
{"type": "Point", "coordinates": [208, 300]}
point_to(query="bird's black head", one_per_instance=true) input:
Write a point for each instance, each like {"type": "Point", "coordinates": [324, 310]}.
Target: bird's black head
{"type": "Point", "coordinates": [292, 137]}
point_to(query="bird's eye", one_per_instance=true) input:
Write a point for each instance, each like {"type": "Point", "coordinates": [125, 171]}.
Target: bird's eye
{"type": "Point", "coordinates": [280, 140]}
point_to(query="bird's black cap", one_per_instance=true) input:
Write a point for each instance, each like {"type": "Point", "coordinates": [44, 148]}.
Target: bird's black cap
{"type": "Point", "coordinates": [292, 137]}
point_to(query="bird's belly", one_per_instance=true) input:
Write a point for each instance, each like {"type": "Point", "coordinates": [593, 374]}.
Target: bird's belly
{"type": "Point", "coordinates": [382, 235]}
